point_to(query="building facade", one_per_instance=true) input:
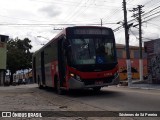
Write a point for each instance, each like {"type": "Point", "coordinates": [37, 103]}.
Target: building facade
{"type": "Point", "coordinates": [134, 57]}
{"type": "Point", "coordinates": [152, 49]}
{"type": "Point", "coordinates": [3, 57]}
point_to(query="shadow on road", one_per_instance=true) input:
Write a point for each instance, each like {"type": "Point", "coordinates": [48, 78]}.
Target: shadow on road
{"type": "Point", "coordinates": [87, 93]}
{"type": "Point", "coordinates": [90, 92]}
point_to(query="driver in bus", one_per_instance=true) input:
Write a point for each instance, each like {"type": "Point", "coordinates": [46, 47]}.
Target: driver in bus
{"type": "Point", "coordinates": [101, 55]}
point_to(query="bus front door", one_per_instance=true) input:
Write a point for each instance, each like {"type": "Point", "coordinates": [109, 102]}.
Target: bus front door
{"type": "Point", "coordinates": [61, 61]}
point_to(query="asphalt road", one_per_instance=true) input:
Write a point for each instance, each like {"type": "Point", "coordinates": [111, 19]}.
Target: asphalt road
{"type": "Point", "coordinates": [31, 98]}
{"type": "Point", "coordinates": [121, 99]}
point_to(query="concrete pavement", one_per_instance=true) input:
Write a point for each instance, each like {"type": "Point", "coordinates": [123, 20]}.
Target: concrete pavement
{"type": "Point", "coordinates": [141, 85]}
{"type": "Point", "coordinates": [146, 86]}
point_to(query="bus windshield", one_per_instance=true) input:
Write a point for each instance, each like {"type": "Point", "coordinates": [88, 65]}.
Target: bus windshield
{"type": "Point", "coordinates": [93, 51]}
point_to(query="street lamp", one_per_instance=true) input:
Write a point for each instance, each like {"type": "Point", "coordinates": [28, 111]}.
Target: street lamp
{"type": "Point", "coordinates": [43, 38]}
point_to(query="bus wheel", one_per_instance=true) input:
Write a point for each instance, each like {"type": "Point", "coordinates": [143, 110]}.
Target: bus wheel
{"type": "Point", "coordinates": [39, 84]}
{"type": "Point", "coordinates": [96, 89]}
{"type": "Point", "coordinates": [58, 89]}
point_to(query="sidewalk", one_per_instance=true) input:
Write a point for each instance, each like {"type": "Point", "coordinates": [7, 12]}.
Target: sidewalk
{"type": "Point", "coordinates": [146, 86]}
{"type": "Point", "coordinates": [11, 87]}
{"type": "Point", "coordinates": [141, 85]}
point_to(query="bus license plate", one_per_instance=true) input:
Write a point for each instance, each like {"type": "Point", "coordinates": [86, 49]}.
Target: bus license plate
{"type": "Point", "coordinates": [98, 82]}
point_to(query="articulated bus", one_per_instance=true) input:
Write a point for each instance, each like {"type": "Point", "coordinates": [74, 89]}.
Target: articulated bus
{"type": "Point", "coordinates": [78, 57]}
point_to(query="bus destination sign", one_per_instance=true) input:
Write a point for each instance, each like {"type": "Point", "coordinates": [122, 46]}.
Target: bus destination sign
{"type": "Point", "coordinates": [90, 31]}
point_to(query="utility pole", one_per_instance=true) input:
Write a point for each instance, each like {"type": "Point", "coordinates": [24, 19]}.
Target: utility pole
{"type": "Point", "coordinates": [140, 43]}
{"type": "Point", "coordinates": [128, 61]}
{"type": "Point", "coordinates": [138, 16]}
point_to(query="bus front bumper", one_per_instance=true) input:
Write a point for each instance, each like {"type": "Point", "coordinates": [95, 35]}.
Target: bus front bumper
{"type": "Point", "coordinates": [76, 84]}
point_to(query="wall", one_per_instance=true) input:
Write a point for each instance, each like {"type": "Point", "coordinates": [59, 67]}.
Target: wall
{"type": "Point", "coordinates": [153, 52]}
{"type": "Point", "coordinates": [134, 55]}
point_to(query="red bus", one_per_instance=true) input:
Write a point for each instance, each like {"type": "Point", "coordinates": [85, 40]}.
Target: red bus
{"type": "Point", "coordinates": [78, 57]}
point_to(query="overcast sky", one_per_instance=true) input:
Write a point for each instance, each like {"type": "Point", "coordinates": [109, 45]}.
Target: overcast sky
{"type": "Point", "coordinates": [32, 18]}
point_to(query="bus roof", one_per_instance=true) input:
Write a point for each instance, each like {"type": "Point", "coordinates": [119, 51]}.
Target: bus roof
{"type": "Point", "coordinates": [63, 32]}
{"type": "Point", "coordinates": [55, 38]}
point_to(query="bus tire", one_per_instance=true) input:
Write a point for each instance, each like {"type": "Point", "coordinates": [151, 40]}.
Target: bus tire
{"type": "Point", "coordinates": [39, 83]}
{"type": "Point", "coordinates": [96, 89]}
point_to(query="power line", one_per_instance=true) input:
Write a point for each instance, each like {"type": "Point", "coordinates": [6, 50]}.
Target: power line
{"type": "Point", "coordinates": [154, 24]}
{"type": "Point", "coordinates": [91, 5]}
{"type": "Point", "coordinates": [151, 6]}
{"type": "Point", "coordinates": [151, 15]}
{"type": "Point", "coordinates": [151, 10]}
{"type": "Point", "coordinates": [74, 12]}
{"type": "Point", "coordinates": [148, 2]}
{"type": "Point", "coordinates": [22, 18]}
{"type": "Point", "coordinates": [52, 24]}
{"type": "Point", "coordinates": [57, 2]}
{"type": "Point", "coordinates": [151, 18]}
{"type": "Point", "coordinates": [81, 10]}
{"type": "Point", "coordinates": [91, 20]}
{"type": "Point", "coordinates": [48, 26]}
{"type": "Point", "coordinates": [143, 17]}
{"type": "Point", "coordinates": [68, 3]}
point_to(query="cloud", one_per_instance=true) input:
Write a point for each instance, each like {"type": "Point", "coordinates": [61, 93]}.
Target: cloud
{"type": "Point", "coordinates": [85, 12]}
{"type": "Point", "coordinates": [51, 11]}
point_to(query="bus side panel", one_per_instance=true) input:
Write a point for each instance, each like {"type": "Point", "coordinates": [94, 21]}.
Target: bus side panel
{"type": "Point", "coordinates": [48, 75]}
{"type": "Point", "coordinates": [54, 71]}
{"type": "Point", "coordinates": [50, 61]}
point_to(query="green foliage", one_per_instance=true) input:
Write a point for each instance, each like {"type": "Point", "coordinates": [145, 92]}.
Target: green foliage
{"type": "Point", "coordinates": [18, 55]}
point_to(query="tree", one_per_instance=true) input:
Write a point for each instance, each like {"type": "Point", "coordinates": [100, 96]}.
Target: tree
{"type": "Point", "coordinates": [18, 55]}
{"type": "Point", "coordinates": [24, 47]}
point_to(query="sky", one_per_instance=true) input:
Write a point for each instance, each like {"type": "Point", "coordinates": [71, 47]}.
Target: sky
{"type": "Point", "coordinates": [33, 18]}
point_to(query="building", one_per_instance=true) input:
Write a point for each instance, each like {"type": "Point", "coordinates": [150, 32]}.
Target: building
{"type": "Point", "coordinates": [134, 57]}
{"type": "Point", "coordinates": [3, 57]}
{"type": "Point", "coordinates": [153, 57]}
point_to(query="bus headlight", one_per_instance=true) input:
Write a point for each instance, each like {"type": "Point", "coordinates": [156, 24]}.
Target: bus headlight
{"type": "Point", "coordinates": [72, 75]}
{"type": "Point", "coordinates": [77, 77]}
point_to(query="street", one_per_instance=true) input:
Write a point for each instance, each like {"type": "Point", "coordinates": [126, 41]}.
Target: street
{"type": "Point", "coordinates": [113, 98]}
